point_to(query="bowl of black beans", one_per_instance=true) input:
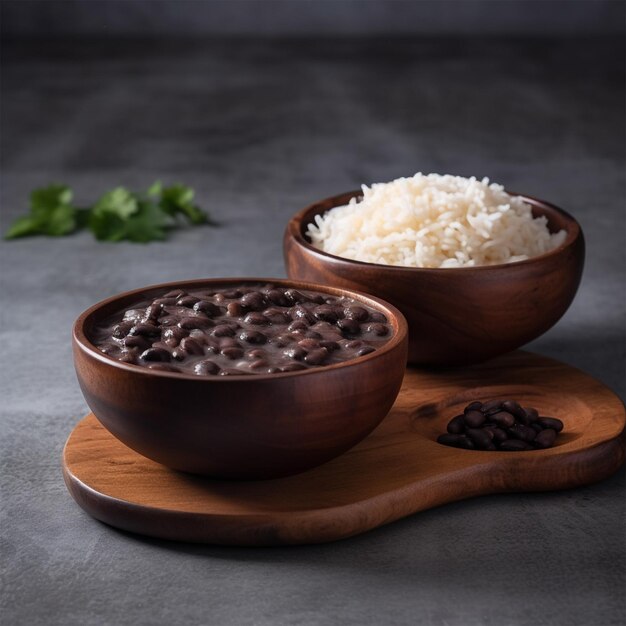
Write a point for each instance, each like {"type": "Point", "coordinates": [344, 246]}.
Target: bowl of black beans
{"type": "Point", "coordinates": [240, 378]}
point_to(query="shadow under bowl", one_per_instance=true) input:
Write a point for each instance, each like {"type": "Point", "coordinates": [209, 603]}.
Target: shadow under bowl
{"type": "Point", "coordinates": [456, 316]}
{"type": "Point", "coordinates": [239, 427]}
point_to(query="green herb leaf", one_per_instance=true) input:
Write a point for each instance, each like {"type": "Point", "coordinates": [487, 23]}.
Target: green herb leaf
{"type": "Point", "coordinates": [155, 188]}
{"type": "Point", "coordinates": [178, 199]}
{"type": "Point", "coordinates": [60, 221]}
{"type": "Point", "coordinates": [51, 213]}
{"type": "Point", "coordinates": [118, 201]}
{"type": "Point", "coordinates": [22, 227]}
{"type": "Point", "coordinates": [118, 215]}
{"type": "Point", "coordinates": [149, 224]}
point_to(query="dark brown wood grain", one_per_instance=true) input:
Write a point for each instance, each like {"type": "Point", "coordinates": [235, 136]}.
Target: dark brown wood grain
{"type": "Point", "coordinates": [239, 427]}
{"type": "Point", "coordinates": [456, 315]}
{"type": "Point", "coordinates": [396, 471]}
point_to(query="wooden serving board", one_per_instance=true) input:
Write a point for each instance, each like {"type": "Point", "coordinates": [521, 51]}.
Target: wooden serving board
{"type": "Point", "coordinates": [398, 470]}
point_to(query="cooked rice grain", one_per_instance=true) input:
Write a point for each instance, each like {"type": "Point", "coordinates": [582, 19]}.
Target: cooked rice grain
{"type": "Point", "coordinates": [434, 221]}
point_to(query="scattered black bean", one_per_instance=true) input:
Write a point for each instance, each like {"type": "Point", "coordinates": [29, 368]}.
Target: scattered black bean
{"type": "Point", "coordinates": [456, 425]}
{"type": "Point", "coordinates": [474, 419]}
{"type": "Point", "coordinates": [501, 425]}
{"type": "Point", "coordinates": [551, 422]}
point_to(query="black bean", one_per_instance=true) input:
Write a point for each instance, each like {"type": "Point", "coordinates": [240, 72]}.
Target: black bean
{"type": "Point", "coordinates": [231, 294]}
{"type": "Point", "coordinates": [276, 316]}
{"type": "Point", "coordinates": [456, 425]}
{"type": "Point", "coordinates": [353, 344]}
{"type": "Point", "coordinates": [154, 311]}
{"type": "Point", "coordinates": [173, 335]}
{"type": "Point", "coordinates": [315, 357]}
{"type": "Point", "coordinates": [493, 406]}
{"type": "Point", "coordinates": [514, 408]}
{"type": "Point", "coordinates": [164, 302]}
{"type": "Point", "coordinates": [356, 313]}
{"type": "Point", "coordinates": [295, 352]}
{"type": "Point", "coordinates": [176, 293]}
{"type": "Point", "coordinates": [283, 340]}
{"type": "Point", "coordinates": [122, 329]}
{"type": "Point", "coordinates": [331, 346]}
{"type": "Point", "coordinates": [513, 445]}
{"type": "Point", "coordinates": [292, 367]}
{"type": "Point", "coordinates": [228, 342]}
{"type": "Point", "coordinates": [551, 422]}
{"type": "Point", "coordinates": [473, 406]}
{"type": "Point", "coordinates": [223, 330]}
{"type": "Point", "coordinates": [365, 350]}
{"type": "Point", "coordinates": [297, 325]}
{"type": "Point", "coordinates": [520, 431]}
{"type": "Point", "coordinates": [300, 313]}
{"type": "Point", "coordinates": [191, 346]}
{"type": "Point", "coordinates": [145, 330]}
{"type": "Point", "coordinates": [208, 308]}
{"type": "Point", "coordinates": [545, 439]}
{"type": "Point", "coordinates": [349, 326]}
{"type": "Point", "coordinates": [204, 368]}
{"type": "Point", "coordinates": [276, 296]}
{"type": "Point", "coordinates": [232, 353]}
{"type": "Point", "coordinates": [530, 415]}
{"type": "Point", "coordinates": [294, 296]}
{"type": "Point", "coordinates": [156, 354]}
{"type": "Point", "coordinates": [536, 427]}
{"type": "Point", "coordinates": [128, 356]}
{"type": "Point", "coordinates": [377, 316]}
{"type": "Point", "coordinates": [256, 319]}
{"type": "Point", "coordinates": [326, 313]}
{"type": "Point", "coordinates": [253, 301]}
{"type": "Point", "coordinates": [380, 330]}
{"type": "Point", "coordinates": [136, 341]}
{"type": "Point", "coordinates": [252, 336]}
{"type": "Point", "coordinates": [169, 320]}
{"type": "Point", "coordinates": [189, 323]}
{"type": "Point", "coordinates": [503, 419]}
{"type": "Point", "coordinates": [474, 419]}
{"type": "Point", "coordinates": [234, 309]}
{"type": "Point", "coordinates": [499, 435]}
{"type": "Point", "coordinates": [481, 438]}
{"type": "Point", "coordinates": [255, 354]}
{"type": "Point", "coordinates": [259, 364]}
{"type": "Point", "coordinates": [178, 354]}
{"type": "Point", "coordinates": [188, 301]}
{"type": "Point", "coordinates": [309, 344]}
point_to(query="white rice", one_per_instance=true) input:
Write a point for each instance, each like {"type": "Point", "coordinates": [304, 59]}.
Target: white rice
{"type": "Point", "coordinates": [434, 221]}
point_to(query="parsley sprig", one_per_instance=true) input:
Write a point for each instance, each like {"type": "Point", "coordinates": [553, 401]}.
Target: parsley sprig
{"type": "Point", "coordinates": [118, 215]}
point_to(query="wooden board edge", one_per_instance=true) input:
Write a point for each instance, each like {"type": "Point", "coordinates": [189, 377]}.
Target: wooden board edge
{"type": "Point", "coordinates": [321, 526]}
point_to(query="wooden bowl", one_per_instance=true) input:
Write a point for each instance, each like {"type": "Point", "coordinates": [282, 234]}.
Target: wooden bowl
{"type": "Point", "coordinates": [239, 427]}
{"type": "Point", "coordinates": [456, 316]}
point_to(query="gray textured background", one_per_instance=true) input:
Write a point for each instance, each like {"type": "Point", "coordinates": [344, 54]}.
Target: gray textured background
{"type": "Point", "coordinates": [109, 18]}
{"type": "Point", "coordinates": [260, 128]}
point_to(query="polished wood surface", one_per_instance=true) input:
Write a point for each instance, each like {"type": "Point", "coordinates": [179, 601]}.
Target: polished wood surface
{"type": "Point", "coordinates": [239, 427]}
{"type": "Point", "coordinates": [398, 470]}
{"type": "Point", "coordinates": [456, 316]}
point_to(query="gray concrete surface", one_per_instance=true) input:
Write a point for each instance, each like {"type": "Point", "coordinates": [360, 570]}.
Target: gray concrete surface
{"type": "Point", "coordinates": [260, 129]}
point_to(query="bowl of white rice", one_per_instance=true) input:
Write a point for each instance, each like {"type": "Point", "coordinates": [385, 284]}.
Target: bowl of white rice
{"type": "Point", "coordinates": [476, 270]}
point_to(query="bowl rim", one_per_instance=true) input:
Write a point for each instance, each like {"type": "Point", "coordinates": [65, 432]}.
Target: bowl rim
{"type": "Point", "coordinates": [82, 342]}
{"type": "Point", "coordinates": [295, 229]}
